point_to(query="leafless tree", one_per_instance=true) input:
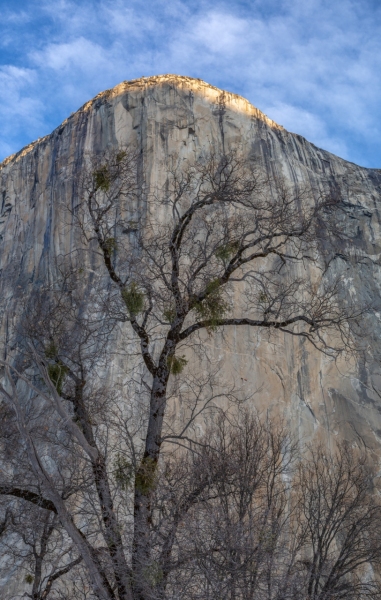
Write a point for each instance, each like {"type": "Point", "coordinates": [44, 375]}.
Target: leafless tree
{"type": "Point", "coordinates": [32, 537]}
{"type": "Point", "coordinates": [341, 517]}
{"type": "Point", "coordinates": [86, 456]}
{"type": "Point", "coordinates": [36, 543]}
{"type": "Point", "coordinates": [227, 228]}
{"type": "Point", "coordinates": [279, 525]}
{"type": "Point", "coordinates": [236, 537]}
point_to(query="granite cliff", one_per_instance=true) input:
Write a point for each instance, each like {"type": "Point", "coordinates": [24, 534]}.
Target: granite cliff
{"type": "Point", "coordinates": [178, 116]}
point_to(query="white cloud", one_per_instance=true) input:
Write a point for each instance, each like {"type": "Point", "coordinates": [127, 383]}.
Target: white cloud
{"type": "Point", "coordinates": [15, 18]}
{"type": "Point", "coordinates": [221, 32]}
{"type": "Point", "coordinates": [73, 57]}
{"type": "Point", "coordinates": [121, 20]}
{"type": "Point", "coordinates": [14, 98]}
{"type": "Point", "coordinates": [326, 70]}
{"type": "Point", "coordinates": [21, 111]}
{"type": "Point", "coordinates": [296, 119]}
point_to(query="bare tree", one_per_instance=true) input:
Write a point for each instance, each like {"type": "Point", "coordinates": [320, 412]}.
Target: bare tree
{"type": "Point", "coordinates": [276, 525]}
{"type": "Point", "coordinates": [37, 544]}
{"type": "Point", "coordinates": [341, 515]}
{"type": "Point", "coordinates": [32, 537]}
{"type": "Point", "coordinates": [235, 538]}
{"type": "Point", "coordinates": [228, 229]}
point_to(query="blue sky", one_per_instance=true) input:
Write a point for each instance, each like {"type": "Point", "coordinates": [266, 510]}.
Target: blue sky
{"type": "Point", "coordinates": [314, 66]}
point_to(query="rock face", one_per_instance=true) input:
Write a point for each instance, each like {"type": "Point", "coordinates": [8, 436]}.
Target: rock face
{"type": "Point", "coordinates": [173, 118]}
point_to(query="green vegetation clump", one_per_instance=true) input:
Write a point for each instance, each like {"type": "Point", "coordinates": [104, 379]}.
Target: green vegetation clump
{"type": "Point", "coordinates": [102, 178]}
{"type": "Point", "coordinates": [123, 472]}
{"type": "Point", "coordinates": [51, 350]}
{"type": "Point", "coordinates": [120, 156]}
{"type": "Point", "coordinates": [110, 244]}
{"type": "Point", "coordinates": [169, 314]}
{"type": "Point", "coordinates": [29, 579]}
{"type": "Point", "coordinates": [263, 298]}
{"type": "Point", "coordinates": [57, 371]}
{"type": "Point", "coordinates": [133, 225]}
{"type": "Point", "coordinates": [213, 307]}
{"type": "Point", "coordinates": [153, 574]}
{"type": "Point", "coordinates": [145, 479]}
{"type": "Point", "coordinates": [226, 251]}
{"type": "Point", "coordinates": [133, 299]}
{"type": "Point", "coordinates": [176, 364]}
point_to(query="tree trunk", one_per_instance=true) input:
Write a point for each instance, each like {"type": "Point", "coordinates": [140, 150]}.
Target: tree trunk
{"type": "Point", "coordinates": [145, 481]}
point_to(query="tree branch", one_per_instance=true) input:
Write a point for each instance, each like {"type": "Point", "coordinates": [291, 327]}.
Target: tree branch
{"type": "Point", "coordinates": [24, 494]}
{"type": "Point", "coordinates": [251, 322]}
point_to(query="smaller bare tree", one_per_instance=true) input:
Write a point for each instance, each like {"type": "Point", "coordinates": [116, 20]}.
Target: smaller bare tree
{"type": "Point", "coordinates": [341, 515]}
{"type": "Point", "coordinates": [234, 539]}
{"type": "Point", "coordinates": [36, 543]}
{"type": "Point", "coordinates": [276, 525]}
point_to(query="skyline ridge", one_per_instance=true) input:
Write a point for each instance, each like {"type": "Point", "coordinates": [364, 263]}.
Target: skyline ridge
{"type": "Point", "coordinates": [158, 80]}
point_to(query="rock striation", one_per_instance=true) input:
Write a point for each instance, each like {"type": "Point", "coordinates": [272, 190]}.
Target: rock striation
{"type": "Point", "coordinates": [171, 117]}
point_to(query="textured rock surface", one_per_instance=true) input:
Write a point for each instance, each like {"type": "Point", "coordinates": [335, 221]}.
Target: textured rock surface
{"type": "Point", "coordinates": [175, 117]}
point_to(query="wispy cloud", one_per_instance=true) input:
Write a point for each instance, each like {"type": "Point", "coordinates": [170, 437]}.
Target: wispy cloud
{"type": "Point", "coordinates": [314, 127]}
{"type": "Point", "coordinates": [312, 66]}
{"type": "Point", "coordinates": [20, 112]}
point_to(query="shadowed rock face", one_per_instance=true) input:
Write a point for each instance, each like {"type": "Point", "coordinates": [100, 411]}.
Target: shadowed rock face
{"type": "Point", "coordinates": [174, 118]}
